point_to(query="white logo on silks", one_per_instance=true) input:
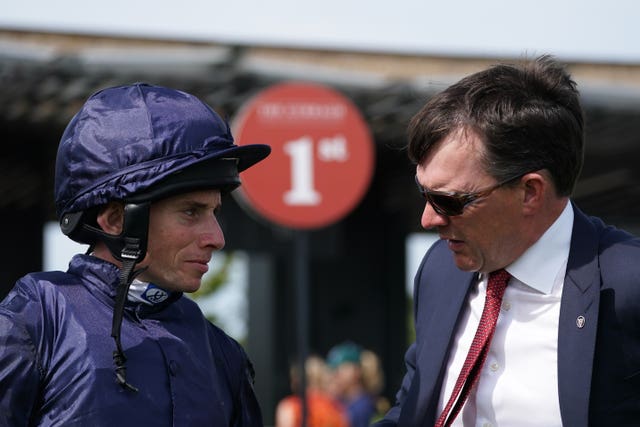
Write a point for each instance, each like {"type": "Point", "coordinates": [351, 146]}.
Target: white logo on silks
{"type": "Point", "coordinates": [154, 294]}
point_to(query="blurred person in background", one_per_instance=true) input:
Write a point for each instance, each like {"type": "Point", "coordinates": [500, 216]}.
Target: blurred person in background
{"type": "Point", "coordinates": [322, 409]}
{"type": "Point", "coordinates": [373, 381]}
{"type": "Point", "coordinates": [348, 383]}
{"type": "Point", "coordinates": [527, 311]}
{"type": "Point", "coordinates": [140, 174]}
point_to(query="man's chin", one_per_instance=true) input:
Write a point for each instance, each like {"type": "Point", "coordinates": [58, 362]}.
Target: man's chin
{"type": "Point", "coordinates": [191, 287]}
{"type": "Point", "coordinates": [464, 263]}
{"type": "Point", "coordinates": [188, 286]}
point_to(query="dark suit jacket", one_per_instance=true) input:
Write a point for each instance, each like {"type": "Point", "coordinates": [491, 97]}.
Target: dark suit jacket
{"type": "Point", "coordinates": [598, 363]}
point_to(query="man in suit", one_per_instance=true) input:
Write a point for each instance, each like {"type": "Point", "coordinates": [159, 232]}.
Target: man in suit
{"type": "Point", "coordinates": [497, 156]}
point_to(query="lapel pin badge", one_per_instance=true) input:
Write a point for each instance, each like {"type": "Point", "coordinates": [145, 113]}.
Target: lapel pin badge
{"type": "Point", "coordinates": [580, 320]}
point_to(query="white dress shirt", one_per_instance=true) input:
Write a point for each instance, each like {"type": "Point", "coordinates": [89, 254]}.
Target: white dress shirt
{"type": "Point", "coordinates": [518, 385]}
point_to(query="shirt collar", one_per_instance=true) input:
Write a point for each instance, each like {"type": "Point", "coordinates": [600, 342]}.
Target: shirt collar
{"type": "Point", "coordinates": [146, 293]}
{"type": "Point", "coordinates": [550, 251]}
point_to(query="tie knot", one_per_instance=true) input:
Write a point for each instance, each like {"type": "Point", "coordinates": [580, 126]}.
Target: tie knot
{"type": "Point", "coordinates": [498, 282]}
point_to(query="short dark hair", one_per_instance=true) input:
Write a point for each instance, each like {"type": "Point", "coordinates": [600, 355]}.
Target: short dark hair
{"type": "Point", "coordinates": [528, 116]}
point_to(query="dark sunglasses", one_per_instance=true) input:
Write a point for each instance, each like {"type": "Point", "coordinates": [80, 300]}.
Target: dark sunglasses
{"type": "Point", "coordinates": [452, 203]}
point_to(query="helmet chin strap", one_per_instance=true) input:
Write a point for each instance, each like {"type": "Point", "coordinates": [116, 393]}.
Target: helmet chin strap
{"type": "Point", "coordinates": [129, 247]}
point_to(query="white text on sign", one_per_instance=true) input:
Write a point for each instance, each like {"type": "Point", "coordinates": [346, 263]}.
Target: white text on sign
{"type": "Point", "coordinates": [300, 151]}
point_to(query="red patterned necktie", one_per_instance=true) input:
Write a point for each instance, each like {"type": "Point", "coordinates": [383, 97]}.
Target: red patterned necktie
{"type": "Point", "coordinates": [479, 348]}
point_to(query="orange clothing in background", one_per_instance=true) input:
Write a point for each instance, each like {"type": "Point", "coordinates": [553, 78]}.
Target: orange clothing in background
{"type": "Point", "coordinates": [322, 411]}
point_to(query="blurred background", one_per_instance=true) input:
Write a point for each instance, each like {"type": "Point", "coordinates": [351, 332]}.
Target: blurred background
{"type": "Point", "coordinates": [386, 58]}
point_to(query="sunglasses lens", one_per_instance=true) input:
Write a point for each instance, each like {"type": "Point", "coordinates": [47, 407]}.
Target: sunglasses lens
{"type": "Point", "coordinates": [447, 205]}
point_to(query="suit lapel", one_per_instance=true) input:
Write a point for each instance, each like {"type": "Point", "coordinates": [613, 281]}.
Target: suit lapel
{"type": "Point", "coordinates": [443, 291]}
{"type": "Point", "coordinates": [578, 322]}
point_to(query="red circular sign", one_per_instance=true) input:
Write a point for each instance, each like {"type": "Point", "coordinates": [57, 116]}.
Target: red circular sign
{"type": "Point", "coordinates": [322, 156]}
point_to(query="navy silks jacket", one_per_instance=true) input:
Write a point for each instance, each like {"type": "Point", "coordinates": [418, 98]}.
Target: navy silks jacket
{"type": "Point", "coordinates": [56, 364]}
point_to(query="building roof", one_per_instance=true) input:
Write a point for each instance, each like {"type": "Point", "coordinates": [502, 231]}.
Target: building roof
{"type": "Point", "coordinates": [47, 77]}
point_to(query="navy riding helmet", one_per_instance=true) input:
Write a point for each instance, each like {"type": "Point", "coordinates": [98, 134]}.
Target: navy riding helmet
{"type": "Point", "coordinates": [140, 143]}
{"type": "Point", "coordinates": [136, 144]}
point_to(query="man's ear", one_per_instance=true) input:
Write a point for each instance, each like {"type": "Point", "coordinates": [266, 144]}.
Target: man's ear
{"type": "Point", "coordinates": [536, 188]}
{"type": "Point", "coordinates": [111, 218]}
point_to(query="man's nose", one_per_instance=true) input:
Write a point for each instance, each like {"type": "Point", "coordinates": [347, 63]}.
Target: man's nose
{"type": "Point", "coordinates": [212, 234]}
{"type": "Point", "coordinates": [432, 219]}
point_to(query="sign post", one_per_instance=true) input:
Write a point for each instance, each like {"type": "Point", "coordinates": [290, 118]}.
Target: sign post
{"type": "Point", "coordinates": [320, 167]}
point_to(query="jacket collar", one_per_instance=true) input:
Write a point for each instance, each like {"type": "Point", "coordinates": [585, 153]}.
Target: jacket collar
{"type": "Point", "coordinates": [102, 278]}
